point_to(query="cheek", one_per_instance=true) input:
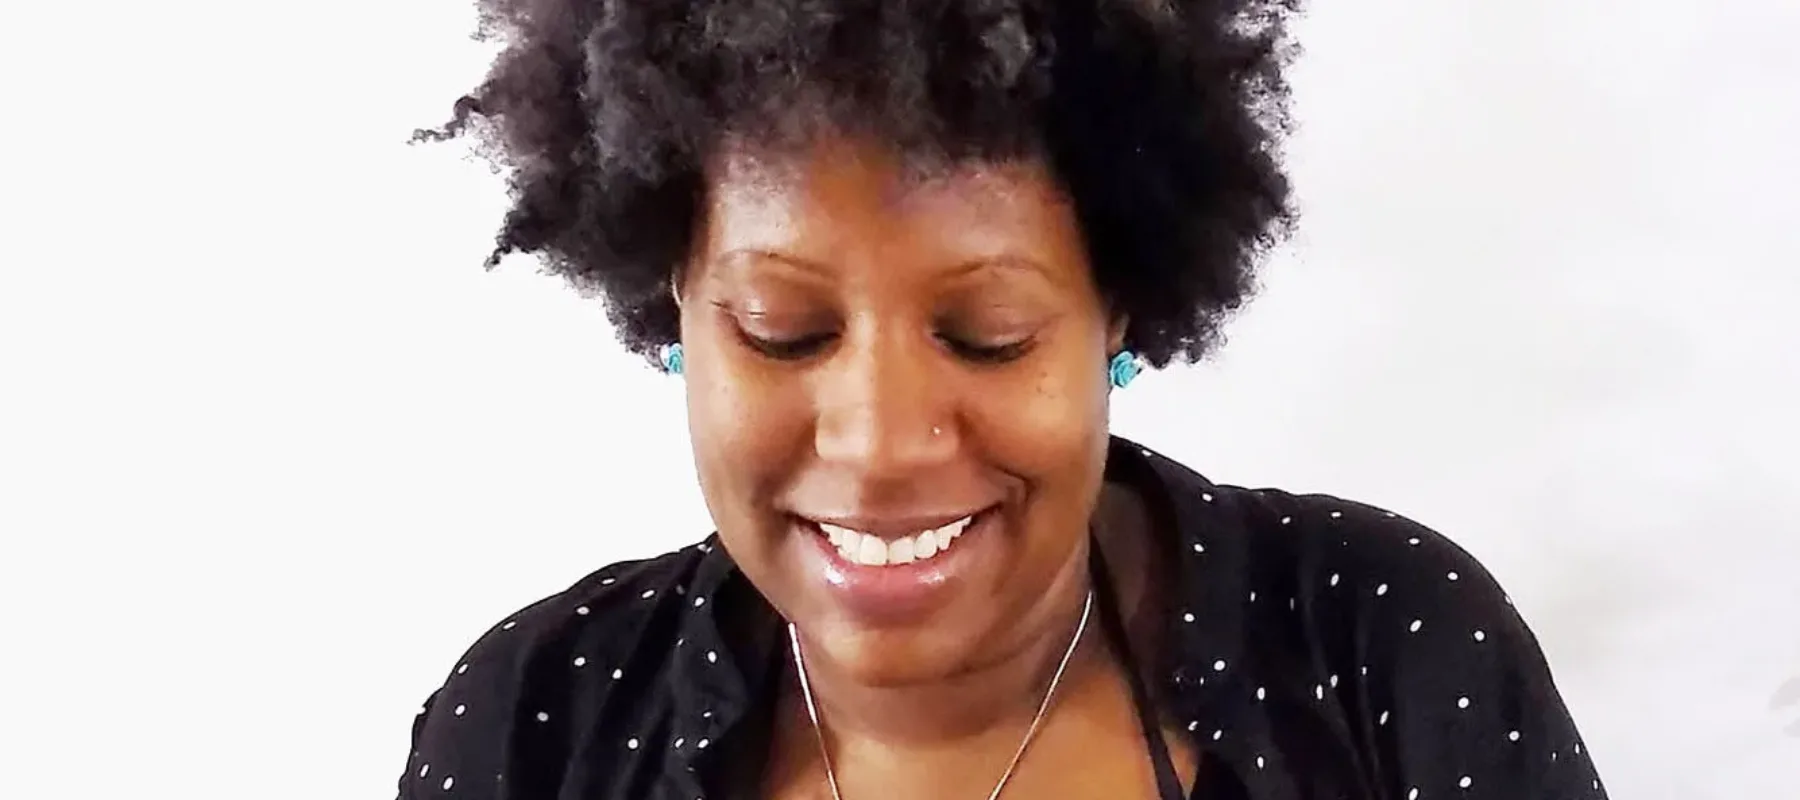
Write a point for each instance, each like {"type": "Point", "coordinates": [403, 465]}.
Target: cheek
{"type": "Point", "coordinates": [744, 426]}
{"type": "Point", "coordinates": [1051, 429]}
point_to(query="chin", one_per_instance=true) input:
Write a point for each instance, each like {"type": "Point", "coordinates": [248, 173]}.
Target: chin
{"type": "Point", "coordinates": [891, 658]}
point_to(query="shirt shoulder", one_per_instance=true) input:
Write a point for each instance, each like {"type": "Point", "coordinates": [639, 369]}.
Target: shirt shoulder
{"type": "Point", "coordinates": [1419, 646]}
{"type": "Point", "coordinates": [1344, 565]}
{"type": "Point", "coordinates": [511, 708]}
{"type": "Point", "coordinates": [1339, 553]}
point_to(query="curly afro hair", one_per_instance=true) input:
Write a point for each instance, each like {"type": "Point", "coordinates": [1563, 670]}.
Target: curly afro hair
{"type": "Point", "coordinates": [1162, 119]}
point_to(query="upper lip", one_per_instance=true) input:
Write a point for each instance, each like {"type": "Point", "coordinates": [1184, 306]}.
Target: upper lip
{"type": "Point", "coordinates": [892, 527]}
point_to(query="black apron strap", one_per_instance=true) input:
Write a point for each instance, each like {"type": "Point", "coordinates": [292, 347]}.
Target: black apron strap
{"type": "Point", "coordinates": [1168, 783]}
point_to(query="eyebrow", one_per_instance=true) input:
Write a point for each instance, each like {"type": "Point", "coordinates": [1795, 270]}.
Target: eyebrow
{"type": "Point", "coordinates": [1007, 261]}
{"type": "Point", "coordinates": [737, 257]}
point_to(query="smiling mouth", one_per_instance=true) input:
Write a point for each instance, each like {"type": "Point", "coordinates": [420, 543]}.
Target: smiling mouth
{"type": "Point", "coordinates": [869, 550]}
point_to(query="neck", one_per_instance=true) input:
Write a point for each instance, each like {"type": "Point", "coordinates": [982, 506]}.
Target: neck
{"type": "Point", "coordinates": [999, 697]}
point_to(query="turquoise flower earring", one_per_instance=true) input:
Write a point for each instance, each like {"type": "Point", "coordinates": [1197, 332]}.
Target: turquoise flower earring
{"type": "Point", "coordinates": [671, 358]}
{"type": "Point", "coordinates": [1124, 368]}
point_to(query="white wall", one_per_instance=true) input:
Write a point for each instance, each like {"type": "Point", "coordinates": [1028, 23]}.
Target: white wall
{"type": "Point", "coordinates": [274, 448]}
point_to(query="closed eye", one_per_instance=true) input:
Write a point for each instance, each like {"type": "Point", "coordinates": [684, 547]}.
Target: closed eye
{"type": "Point", "coordinates": [785, 349]}
{"type": "Point", "coordinates": [987, 353]}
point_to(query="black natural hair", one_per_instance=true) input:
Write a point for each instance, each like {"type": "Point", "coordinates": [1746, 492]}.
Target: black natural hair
{"type": "Point", "coordinates": [1162, 119]}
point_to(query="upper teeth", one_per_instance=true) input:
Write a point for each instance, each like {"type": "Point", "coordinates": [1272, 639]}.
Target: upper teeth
{"type": "Point", "coordinates": [870, 550]}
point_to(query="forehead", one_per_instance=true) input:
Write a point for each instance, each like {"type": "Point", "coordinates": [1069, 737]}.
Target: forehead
{"type": "Point", "coordinates": [845, 200]}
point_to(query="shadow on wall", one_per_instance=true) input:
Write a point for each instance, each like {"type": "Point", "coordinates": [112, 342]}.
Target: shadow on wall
{"type": "Point", "coordinates": [1788, 697]}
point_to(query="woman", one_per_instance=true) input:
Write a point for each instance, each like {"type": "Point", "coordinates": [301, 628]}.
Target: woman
{"type": "Point", "coordinates": [901, 253]}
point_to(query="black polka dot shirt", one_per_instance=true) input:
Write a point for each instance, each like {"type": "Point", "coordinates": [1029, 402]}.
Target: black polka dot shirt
{"type": "Point", "coordinates": [1320, 650]}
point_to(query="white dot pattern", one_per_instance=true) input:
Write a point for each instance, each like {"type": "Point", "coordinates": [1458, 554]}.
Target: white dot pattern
{"type": "Point", "coordinates": [1488, 722]}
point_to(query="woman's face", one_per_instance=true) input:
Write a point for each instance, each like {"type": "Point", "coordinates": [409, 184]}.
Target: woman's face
{"type": "Point", "coordinates": [897, 396]}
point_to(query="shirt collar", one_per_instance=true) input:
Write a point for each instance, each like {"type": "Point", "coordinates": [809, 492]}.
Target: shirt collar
{"type": "Point", "coordinates": [1209, 677]}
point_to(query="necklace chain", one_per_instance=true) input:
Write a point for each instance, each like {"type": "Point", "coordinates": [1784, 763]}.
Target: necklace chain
{"type": "Point", "coordinates": [812, 707]}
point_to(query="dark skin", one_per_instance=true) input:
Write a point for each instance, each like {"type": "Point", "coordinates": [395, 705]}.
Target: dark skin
{"type": "Point", "coordinates": [865, 340]}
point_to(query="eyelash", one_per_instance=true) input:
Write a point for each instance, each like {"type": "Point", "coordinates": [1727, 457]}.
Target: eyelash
{"type": "Point", "coordinates": [992, 354]}
{"type": "Point", "coordinates": [784, 349]}
{"type": "Point", "coordinates": [803, 347]}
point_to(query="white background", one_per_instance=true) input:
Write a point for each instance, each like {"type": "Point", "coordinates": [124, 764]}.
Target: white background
{"type": "Point", "coordinates": [274, 448]}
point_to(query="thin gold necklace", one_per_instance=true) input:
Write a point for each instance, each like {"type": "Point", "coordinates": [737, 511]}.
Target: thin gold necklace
{"type": "Point", "coordinates": [812, 708]}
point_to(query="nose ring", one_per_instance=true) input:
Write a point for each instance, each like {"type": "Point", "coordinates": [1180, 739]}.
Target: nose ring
{"type": "Point", "coordinates": [937, 431]}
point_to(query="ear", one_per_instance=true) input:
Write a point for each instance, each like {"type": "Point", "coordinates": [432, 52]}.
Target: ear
{"type": "Point", "coordinates": [675, 283]}
{"type": "Point", "coordinates": [1115, 333]}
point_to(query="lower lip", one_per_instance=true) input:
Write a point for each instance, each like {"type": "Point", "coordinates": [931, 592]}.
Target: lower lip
{"type": "Point", "coordinates": [898, 593]}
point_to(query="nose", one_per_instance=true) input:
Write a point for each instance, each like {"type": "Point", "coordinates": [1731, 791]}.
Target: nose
{"type": "Point", "coordinates": [884, 410]}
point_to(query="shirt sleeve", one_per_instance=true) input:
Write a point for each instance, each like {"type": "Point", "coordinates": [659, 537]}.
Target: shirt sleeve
{"type": "Point", "coordinates": [463, 734]}
{"type": "Point", "coordinates": [520, 713]}
{"type": "Point", "coordinates": [407, 790]}
{"type": "Point", "coordinates": [1460, 701]}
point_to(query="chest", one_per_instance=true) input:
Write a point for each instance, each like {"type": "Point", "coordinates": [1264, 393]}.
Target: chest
{"type": "Point", "coordinates": [1093, 747]}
